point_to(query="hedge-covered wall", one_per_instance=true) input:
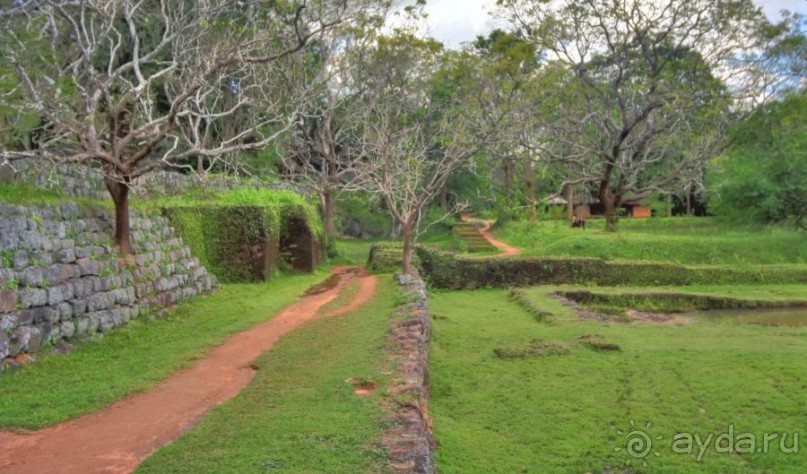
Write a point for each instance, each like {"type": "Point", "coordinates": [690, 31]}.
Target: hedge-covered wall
{"type": "Point", "coordinates": [242, 243]}
{"type": "Point", "coordinates": [443, 270]}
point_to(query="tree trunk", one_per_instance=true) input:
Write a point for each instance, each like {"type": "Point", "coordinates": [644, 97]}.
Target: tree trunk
{"type": "Point", "coordinates": [329, 205]}
{"type": "Point", "coordinates": [569, 201]}
{"type": "Point", "coordinates": [120, 196]}
{"type": "Point", "coordinates": [444, 198]}
{"type": "Point", "coordinates": [529, 191]}
{"type": "Point", "coordinates": [407, 247]}
{"type": "Point", "coordinates": [689, 202]}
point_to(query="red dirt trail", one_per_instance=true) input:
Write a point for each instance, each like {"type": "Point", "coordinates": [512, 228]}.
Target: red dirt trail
{"type": "Point", "coordinates": [118, 438]}
{"type": "Point", "coordinates": [507, 250]}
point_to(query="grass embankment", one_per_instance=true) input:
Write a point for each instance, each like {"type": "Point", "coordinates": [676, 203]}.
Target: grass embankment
{"type": "Point", "coordinates": [135, 357]}
{"type": "Point", "coordinates": [684, 240]}
{"type": "Point", "coordinates": [299, 414]}
{"type": "Point", "coordinates": [572, 413]}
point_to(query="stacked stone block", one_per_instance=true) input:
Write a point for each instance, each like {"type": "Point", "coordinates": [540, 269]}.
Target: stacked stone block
{"type": "Point", "coordinates": [61, 276]}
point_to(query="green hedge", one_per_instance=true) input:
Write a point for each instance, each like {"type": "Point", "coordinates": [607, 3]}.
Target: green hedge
{"type": "Point", "coordinates": [237, 243]}
{"type": "Point", "coordinates": [442, 270]}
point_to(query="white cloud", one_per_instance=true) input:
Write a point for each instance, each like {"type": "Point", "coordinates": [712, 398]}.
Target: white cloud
{"type": "Point", "coordinates": [457, 21]}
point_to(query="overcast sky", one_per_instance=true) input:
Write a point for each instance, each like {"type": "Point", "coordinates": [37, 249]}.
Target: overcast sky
{"type": "Point", "coordinates": [455, 21]}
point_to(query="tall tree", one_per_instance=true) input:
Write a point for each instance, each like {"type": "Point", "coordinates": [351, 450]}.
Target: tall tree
{"type": "Point", "coordinates": [329, 119]}
{"type": "Point", "coordinates": [647, 99]}
{"type": "Point", "coordinates": [132, 86]}
{"type": "Point", "coordinates": [413, 135]}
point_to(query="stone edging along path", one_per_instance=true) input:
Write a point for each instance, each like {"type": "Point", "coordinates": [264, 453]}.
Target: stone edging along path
{"type": "Point", "coordinates": [410, 441]}
{"type": "Point", "coordinates": [121, 436]}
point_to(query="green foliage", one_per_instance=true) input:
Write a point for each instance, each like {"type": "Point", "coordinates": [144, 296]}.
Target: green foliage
{"type": "Point", "coordinates": [229, 232]}
{"type": "Point", "coordinates": [371, 216]}
{"type": "Point", "coordinates": [137, 356]}
{"type": "Point", "coordinates": [762, 178]}
{"type": "Point", "coordinates": [18, 192]}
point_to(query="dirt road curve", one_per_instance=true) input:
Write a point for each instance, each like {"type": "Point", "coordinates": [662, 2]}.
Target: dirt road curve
{"type": "Point", "coordinates": [118, 438]}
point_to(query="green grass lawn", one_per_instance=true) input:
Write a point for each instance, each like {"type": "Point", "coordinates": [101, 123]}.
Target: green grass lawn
{"type": "Point", "coordinates": [352, 251]}
{"type": "Point", "coordinates": [136, 357]}
{"type": "Point", "coordinates": [685, 240]}
{"type": "Point", "coordinates": [299, 414]}
{"type": "Point", "coordinates": [573, 413]}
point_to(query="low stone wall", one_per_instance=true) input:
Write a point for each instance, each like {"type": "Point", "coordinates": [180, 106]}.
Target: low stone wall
{"type": "Point", "coordinates": [409, 442]}
{"type": "Point", "coordinates": [61, 277]}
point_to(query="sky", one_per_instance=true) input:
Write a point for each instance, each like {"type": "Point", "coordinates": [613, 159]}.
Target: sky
{"type": "Point", "coordinates": [456, 21]}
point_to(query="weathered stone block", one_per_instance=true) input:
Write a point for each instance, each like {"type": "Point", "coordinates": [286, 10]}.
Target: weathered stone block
{"type": "Point", "coordinates": [4, 346]}
{"type": "Point", "coordinates": [35, 339]}
{"type": "Point", "coordinates": [9, 239]}
{"type": "Point", "coordinates": [30, 297]}
{"type": "Point", "coordinates": [18, 342]}
{"type": "Point", "coordinates": [65, 311]}
{"type": "Point", "coordinates": [44, 314]}
{"type": "Point", "coordinates": [67, 255]}
{"type": "Point", "coordinates": [8, 321]}
{"type": "Point", "coordinates": [8, 301]}
{"type": "Point", "coordinates": [32, 276]}
{"type": "Point", "coordinates": [20, 260]}
{"type": "Point", "coordinates": [30, 240]}
{"type": "Point", "coordinates": [67, 329]}
{"type": "Point", "coordinates": [79, 306]}
{"type": "Point", "coordinates": [82, 325]}
{"type": "Point", "coordinates": [55, 295]}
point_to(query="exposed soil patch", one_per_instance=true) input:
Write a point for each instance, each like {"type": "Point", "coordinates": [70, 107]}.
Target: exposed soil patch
{"type": "Point", "coordinates": [362, 387]}
{"type": "Point", "coordinates": [121, 436]}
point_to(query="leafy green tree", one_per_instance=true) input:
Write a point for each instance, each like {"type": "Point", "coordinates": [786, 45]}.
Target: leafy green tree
{"type": "Point", "coordinates": [762, 177]}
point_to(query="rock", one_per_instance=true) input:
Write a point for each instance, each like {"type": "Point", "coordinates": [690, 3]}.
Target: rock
{"type": "Point", "coordinates": [8, 302]}
{"type": "Point", "coordinates": [65, 311]}
{"type": "Point", "coordinates": [4, 346]}
{"type": "Point", "coordinates": [44, 314]}
{"type": "Point", "coordinates": [18, 342]}
{"type": "Point", "coordinates": [20, 259]}
{"type": "Point", "coordinates": [31, 297]}
{"type": "Point", "coordinates": [32, 276]}
{"type": "Point", "coordinates": [35, 339]}
{"type": "Point", "coordinates": [352, 228]}
{"type": "Point", "coordinates": [62, 347]}
{"type": "Point", "coordinates": [67, 255]}
{"type": "Point", "coordinates": [55, 295]}
{"type": "Point", "coordinates": [67, 329]}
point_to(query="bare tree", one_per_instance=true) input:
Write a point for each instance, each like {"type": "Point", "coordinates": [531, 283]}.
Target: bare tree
{"type": "Point", "coordinates": [649, 85]}
{"type": "Point", "coordinates": [330, 117]}
{"type": "Point", "coordinates": [130, 86]}
{"type": "Point", "coordinates": [412, 137]}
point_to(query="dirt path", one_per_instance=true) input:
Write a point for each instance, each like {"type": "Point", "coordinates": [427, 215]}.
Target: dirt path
{"type": "Point", "coordinates": [118, 438]}
{"type": "Point", "coordinates": [507, 250]}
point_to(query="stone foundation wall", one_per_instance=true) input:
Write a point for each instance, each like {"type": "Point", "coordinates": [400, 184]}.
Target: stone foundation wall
{"type": "Point", "coordinates": [409, 442]}
{"type": "Point", "coordinates": [61, 277]}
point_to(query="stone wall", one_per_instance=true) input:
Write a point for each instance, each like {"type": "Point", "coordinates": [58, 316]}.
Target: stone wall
{"type": "Point", "coordinates": [61, 277]}
{"type": "Point", "coordinates": [409, 441]}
